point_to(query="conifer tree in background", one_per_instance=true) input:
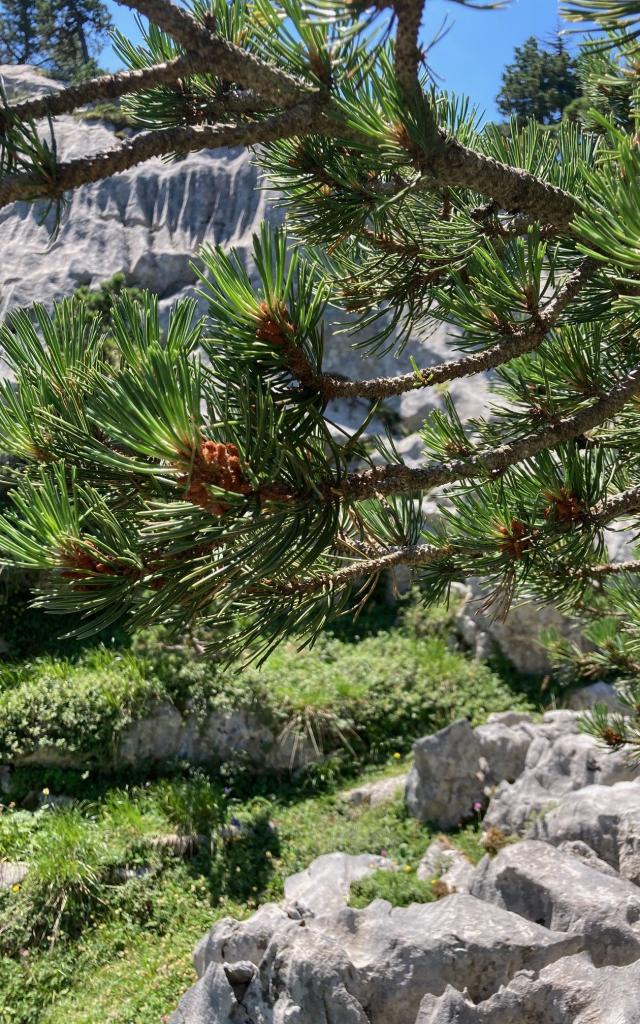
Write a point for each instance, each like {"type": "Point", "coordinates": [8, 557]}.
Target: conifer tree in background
{"type": "Point", "coordinates": [198, 477]}
{"type": "Point", "coordinates": [63, 37]}
{"type": "Point", "coordinates": [540, 84]}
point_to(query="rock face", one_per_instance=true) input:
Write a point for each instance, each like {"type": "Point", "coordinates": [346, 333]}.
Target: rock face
{"type": "Point", "coordinates": [150, 223]}
{"type": "Point", "coordinates": [454, 768]}
{"type": "Point", "coordinates": [368, 966]}
{"type": "Point", "coordinates": [547, 931]}
{"type": "Point", "coordinates": [571, 991]}
{"type": "Point", "coordinates": [555, 889]}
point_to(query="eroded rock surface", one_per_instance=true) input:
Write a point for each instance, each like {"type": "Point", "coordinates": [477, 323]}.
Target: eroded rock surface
{"type": "Point", "coordinates": [455, 768]}
{"type": "Point", "coordinates": [370, 966]}
{"type": "Point", "coordinates": [606, 818]}
{"type": "Point", "coordinates": [571, 991]}
{"type": "Point", "coordinates": [555, 889]}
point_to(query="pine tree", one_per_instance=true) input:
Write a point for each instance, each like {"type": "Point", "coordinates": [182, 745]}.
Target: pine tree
{"type": "Point", "coordinates": [61, 36]}
{"type": "Point", "coordinates": [19, 42]}
{"type": "Point", "coordinates": [197, 476]}
{"type": "Point", "coordinates": [540, 83]}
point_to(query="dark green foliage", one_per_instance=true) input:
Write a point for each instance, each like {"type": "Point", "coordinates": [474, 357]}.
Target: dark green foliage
{"type": "Point", "coordinates": [341, 695]}
{"type": "Point", "coordinates": [399, 887]}
{"type": "Point", "coordinates": [540, 84]}
{"type": "Point", "coordinates": [62, 37]}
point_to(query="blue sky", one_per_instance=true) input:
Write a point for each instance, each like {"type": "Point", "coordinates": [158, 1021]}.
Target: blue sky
{"type": "Point", "coordinates": [470, 58]}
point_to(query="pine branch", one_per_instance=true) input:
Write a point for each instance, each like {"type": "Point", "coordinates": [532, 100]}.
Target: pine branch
{"type": "Point", "coordinates": [525, 339]}
{"type": "Point", "coordinates": [407, 51]}
{"type": "Point", "coordinates": [226, 60]}
{"type": "Point", "coordinates": [106, 87]}
{"type": "Point", "coordinates": [610, 569]}
{"type": "Point", "coordinates": [616, 507]}
{"type": "Point", "coordinates": [387, 480]}
{"type": "Point", "coordinates": [85, 170]}
{"type": "Point", "coordinates": [514, 190]}
{"type": "Point", "coordinates": [414, 554]}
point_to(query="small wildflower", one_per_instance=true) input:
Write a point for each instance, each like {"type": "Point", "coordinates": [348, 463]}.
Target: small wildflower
{"type": "Point", "coordinates": [15, 888]}
{"type": "Point", "coordinates": [45, 791]}
{"type": "Point", "coordinates": [407, 869]}
{"type": "Point", "coordinates": [397, 755]}
{"type": "Point", "coordinates": [85, 775]}
{"type": "Point", "coordinates": [477, 806]}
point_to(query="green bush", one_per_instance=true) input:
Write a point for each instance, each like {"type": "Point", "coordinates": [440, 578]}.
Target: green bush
{"type": "Point", "coordinates": [398, 887]}
{"type": "Point", "coordinates": [365, 699]}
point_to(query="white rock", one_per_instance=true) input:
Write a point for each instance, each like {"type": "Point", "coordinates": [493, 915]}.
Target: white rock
{"type": "Point", "coordinates": [371, 966]}
{"type": "Point", "coordinates": [454, 768]}
{"type": "Point", "coordinates": [570, 991]}
{"type": "Point", "coordinates": [446, 778]}
{"type": "Point", "coordinates": [606, 818]}
{"type": "Point", "coordinates": [445, 862]}
{"type": "Point", "coordinates": [559, 760]}
{"type": "Point", "coordinates": [582, 852]}
{"type": "Point", "coordinates": [12, 873]}
{"type": "Point", "coordinates": [324, 886]}
{"type": "Point", "coordinates": [373, 793]}
{"type": "Point", "coordinates": [555, 889]}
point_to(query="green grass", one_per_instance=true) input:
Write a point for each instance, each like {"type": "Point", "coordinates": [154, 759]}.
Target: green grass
{"type": "Point", "coordinates": [366, 697]}
{"type": "Point", "coordinates": [104, 924]}
{"type": "Point", "coordinates": [122, 952]}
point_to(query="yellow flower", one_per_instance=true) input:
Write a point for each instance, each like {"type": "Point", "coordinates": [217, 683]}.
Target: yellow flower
{"type": "Point", "coordinates": [397, 756]}
{"type": "Point", "coordinates": [45, 791]}
{"type": "Point", "coordinates": [15, 888]}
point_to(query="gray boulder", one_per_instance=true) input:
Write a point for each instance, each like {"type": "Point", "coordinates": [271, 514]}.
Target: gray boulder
{"type": "Point", "coordinates": [597, 693]}
{"type": "Point", "coordinates": [606, 818]}
{"type": "Point", "coordinates": [551, 887]}
{"type": "Point", "coordinates": [324, 886]}
{"type": "Point", "coordinates": [570, 991]}
{"type": "Point", "coordinates": [446, 778]}
{"type": "Point", "coordinates": [373, 793]}
{"type": "Point", "coordinates": [559, 760]}
{"type": "Point", "coordinates": [370, 966]}
{"type": "Point", "coordinates": [455, 768]}
{"type": "Point", "coordinates": [446, 863]}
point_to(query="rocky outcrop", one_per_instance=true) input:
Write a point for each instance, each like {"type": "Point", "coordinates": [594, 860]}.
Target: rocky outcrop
{"type": "Point", "coordinates": [571, 991]}
{"type": "Point", "coordinates": [150, 223]}
{"type": "Point", "coordinates": [454, 769]}
{"type": "Point", "coordinates": [521, 769]}
{"type": "Point", "coordinates": [605, 818]}
{"type": "Point", "coordinates": [547, 929]}
{"type": "Point", "coordinates": [560, 760]}
{"type": "Point", "coordinates": [368, 966]}
{"type": "Point", "coordinates": [555, 889]}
